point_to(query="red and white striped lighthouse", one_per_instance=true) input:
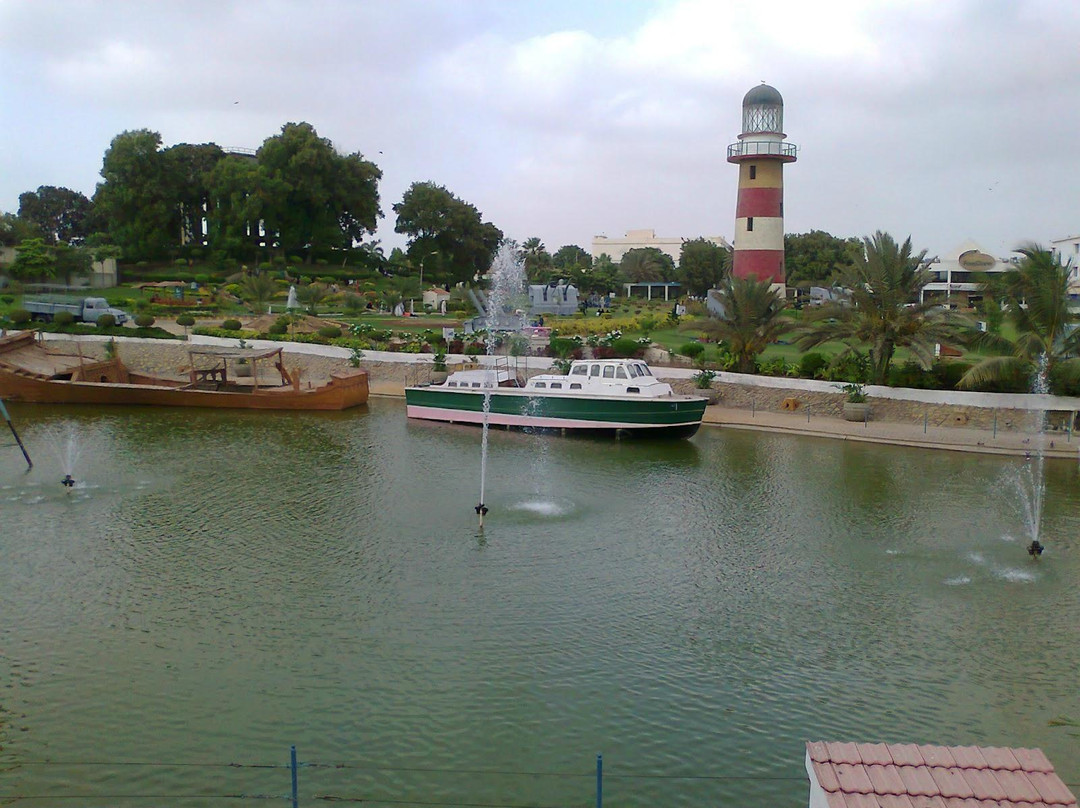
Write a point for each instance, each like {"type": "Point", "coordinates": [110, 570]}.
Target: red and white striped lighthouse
{"type": "Point", "coordinates": [759, 214]}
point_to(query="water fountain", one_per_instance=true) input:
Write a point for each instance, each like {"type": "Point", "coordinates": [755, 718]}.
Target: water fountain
{"type": "Point", "coordinates": [291, 303]}
{"type": "Point", "coordinates": [1030, 481]}
{"type": "Point", "coordinates": [507, 283]}
{"type": "Point", "coordinates": [66, 447]}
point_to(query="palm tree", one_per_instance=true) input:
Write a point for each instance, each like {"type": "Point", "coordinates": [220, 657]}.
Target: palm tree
{"type": "Point", "coordinates": [883, 310]}
{"type": "Point", "coordinates": [1035, 296]}
{"type": "Point", "coordinates": [257, 290]}
{"type": "Point", "coordinates": [536, 258]}
{"type": "Point", "coordinates": [752, 320]}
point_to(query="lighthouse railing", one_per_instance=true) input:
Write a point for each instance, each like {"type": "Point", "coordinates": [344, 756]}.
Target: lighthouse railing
{"type": "Point", "coordinates": [748, 148]}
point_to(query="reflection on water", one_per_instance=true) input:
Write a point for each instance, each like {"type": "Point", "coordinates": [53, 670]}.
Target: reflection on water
{"type": "Point", "coordinates": [221, 585]}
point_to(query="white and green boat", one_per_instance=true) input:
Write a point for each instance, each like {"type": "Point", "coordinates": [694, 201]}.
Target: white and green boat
{"type": "Point", "coordinates": [619, 396]}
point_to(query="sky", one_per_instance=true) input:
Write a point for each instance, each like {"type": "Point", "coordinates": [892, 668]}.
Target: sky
{"type": "Point", "coordinates": [944, 120]}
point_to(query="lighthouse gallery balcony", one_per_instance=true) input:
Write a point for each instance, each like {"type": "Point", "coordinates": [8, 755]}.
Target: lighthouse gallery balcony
{"type": "Point", "coordinates": [762, 148]}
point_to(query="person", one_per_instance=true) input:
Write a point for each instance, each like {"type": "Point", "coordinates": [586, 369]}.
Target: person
{"type": "Point", "coordinates": [540, 321]}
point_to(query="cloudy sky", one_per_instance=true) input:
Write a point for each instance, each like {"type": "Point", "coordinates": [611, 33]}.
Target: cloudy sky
{"type": "Point", "coordinates": [563, 119]}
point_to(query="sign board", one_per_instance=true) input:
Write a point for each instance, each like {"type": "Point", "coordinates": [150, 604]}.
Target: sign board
{"type": "Point", "coordinates": [975, 261]}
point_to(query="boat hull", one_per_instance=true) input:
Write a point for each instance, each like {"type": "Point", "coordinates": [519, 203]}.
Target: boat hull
{"type": "Point", "coordinates": [667, 417]}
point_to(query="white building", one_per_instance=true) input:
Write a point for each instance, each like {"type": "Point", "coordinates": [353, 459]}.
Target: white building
{"type": "Point", "coordinates": [616, 248]}
{"type": "Point", "coordinates": [955, 276]}
{"type": "Point", "coordinates": [1068, 252]}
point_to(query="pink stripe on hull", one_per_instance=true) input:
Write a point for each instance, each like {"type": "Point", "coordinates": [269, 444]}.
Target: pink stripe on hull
{"type": "Point", "coordinates": [500, 419]}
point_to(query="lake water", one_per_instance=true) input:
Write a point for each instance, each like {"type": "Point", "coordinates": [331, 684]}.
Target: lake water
{"type": "Point", "coordinates": [220, 586]}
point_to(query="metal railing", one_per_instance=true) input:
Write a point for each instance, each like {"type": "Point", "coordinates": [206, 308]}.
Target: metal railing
{"type": "Point", "coordinates": [749, 148]}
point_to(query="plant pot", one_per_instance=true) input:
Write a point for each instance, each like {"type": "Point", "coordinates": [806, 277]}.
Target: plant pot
{"type": "Point", "coordinates": [438, 376]}
{"type": "Point", "coordinates": [242, 370]}
{"type": "Point", "coordinates": [856, 411]}
{"type": "Point", "coordinates": [709, 393]}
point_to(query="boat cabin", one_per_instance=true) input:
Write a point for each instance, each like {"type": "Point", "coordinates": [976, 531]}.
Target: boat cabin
{"type": "Point", "coordinates": [603, 377]}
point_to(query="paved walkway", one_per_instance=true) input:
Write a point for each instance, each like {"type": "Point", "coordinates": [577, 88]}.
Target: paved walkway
{"type": "Point", "coordinates": [1055, 444]}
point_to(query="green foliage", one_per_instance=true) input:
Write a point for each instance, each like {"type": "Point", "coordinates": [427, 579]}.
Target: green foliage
{"type": "Point", "coordinates": [627, 348]}
{"type": "Point", "coordinates": [703, 379]}
{"type": "Point", "coordinates": [186, 320]}
{"type": "Point", "coordinates": [436, 221]}
{"type": "Point", "coordinates": [752, 320]}
{"type": "Point", "coordinates": [33, 260]}
{"type": "Point", "coordinates": [811, 259]}
{"type": "Point", "coordinates": [278, 328]}
{"type": "Point", "coordinates": [537, 260]}
{"type": "Point", "coordinates": [133, 201]}
{"type": "Point", "coordinates": [646, 265]}
{"type": "Point", "coordinates": [144, 320]}
{"type": "Point", "coordinates": [106, 321]}
{"type": "Point", "coordinates": [702, 265]}
{"type": "Point", "coordinates": [57, 214]}
{"type": "Point", "coordinates": [8, 299]}
{"type": "Point", "coordinates": [20, 316]}
{"type": "Point", "coordinates": [63, 318]}
{"type": "Point", "coordinates": [230, 325]}
{"type": "Point", "coordinates": [854, 393]}
{"type": "Point", "coordinates": [692, 349]}
{"type": "Point", "coordinates": [811, 364]}
{"type": "Point", "coordinates": [849, 366]}
{"type": "Point", "coordinates": [330, 331]}
{"type": "Point", "coordinates": [883, 312]}
{"type": "Point", "coordinates": [355, 355]}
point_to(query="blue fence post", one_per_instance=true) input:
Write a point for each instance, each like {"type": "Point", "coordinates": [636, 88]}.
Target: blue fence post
{"type": "Point", "coordinates": [599, 781]}
{"type": "Point", "coordinates": [292, 765]}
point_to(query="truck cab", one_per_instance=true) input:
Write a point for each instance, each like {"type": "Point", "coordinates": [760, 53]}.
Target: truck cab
{"type": "Point", "coordinates": [94, 307]}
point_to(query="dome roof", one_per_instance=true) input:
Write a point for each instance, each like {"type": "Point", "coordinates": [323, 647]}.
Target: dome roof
{"type": "Point", "coordinates": [765, 95]}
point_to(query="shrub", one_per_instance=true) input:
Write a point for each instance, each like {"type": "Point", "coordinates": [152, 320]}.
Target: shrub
{"type": "Point", "coordinates": [63, 318]}
{"type": "Point", "coordinates": [692, 349]}
{"type": "Point", "coordinates": [106, 321]}
{"type": "Point", "coordinates": [231, 325]}
{"type": "Point", "coordinates": [810, 364]}
{"type": "Point", "coordinates": [186, 320]}
{"type": "Point", "coordinates": [627, 348]}
{"type": "Point", "coordinates": [20, 316]}
{"type": "Point", "coordinates": [8, 299]}
{"type": "Point", "coordinates": [330, 331]}
{"type": "Point", "coordinates": [144, 320]}
{"type": "Point", "coordinates": [278, 329]}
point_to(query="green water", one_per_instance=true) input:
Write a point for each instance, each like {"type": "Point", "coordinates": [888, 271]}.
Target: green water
{"type": "Point", "coordinates": [222, 585]}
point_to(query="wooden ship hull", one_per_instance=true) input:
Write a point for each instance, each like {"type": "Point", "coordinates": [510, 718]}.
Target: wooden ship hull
{"type": "Point", "coordinates": [30, 373]}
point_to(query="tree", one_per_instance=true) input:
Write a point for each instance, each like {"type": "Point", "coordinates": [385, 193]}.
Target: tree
{"type": "Point", "coordinates": [883, 311]}
{"type": "Point", "coordinates": [188, 170]}
{"type": "Point", "coordinates": [811, 259]}
{"type": "Point", "coordinates": [14, 230]}
{"type": "Point", "coordinates": [59, 214]}
{"type": "Point", "coordinates": [1035, 298]}
{"type": "Point", "coordinates": [571, 256]}
{"type": "Point", "coordinates": [702, 264]}
{"type": "Point", "coordinates": [329, 200]}
{"type": "Point", "coordinates": [537, 260]}
{"type": "Point", "coordinates": [437, 221]}
{"type": "Point", "coordinates": [646, 265]}
{"type": "Point", "coordinates": [134, 201]}
{"type": "Point", "coordinates": [70, 261]}
{"type": "Point", "coordinates": [752, 320]}
{"type": "Point", "coordinates": [602, 278]}
{"type": "Point", "coordinates": [240, 192]}
{"type": "Point", "coordinates": [257, 289]}
{"type": "Point", "coordinates": [32, 260]}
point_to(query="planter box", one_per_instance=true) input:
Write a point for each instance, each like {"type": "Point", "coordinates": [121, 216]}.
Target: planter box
{"type": "Point", "coordinates": [857, 412]}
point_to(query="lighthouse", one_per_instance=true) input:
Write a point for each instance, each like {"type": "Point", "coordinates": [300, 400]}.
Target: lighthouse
{"type": "Point", "coordinates": [760, 154]}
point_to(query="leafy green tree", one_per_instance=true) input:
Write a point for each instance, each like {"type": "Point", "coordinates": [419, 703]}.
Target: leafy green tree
{"type": "Point", "coordinates": [602, 278]}
{"type": "Point", "coordinates": [59, 214]}
{"type": "Point", "coordinates": [883, 311]}
{"type": "Point", "coordinates": [135, 199]}
{"type": "Point", "coordinates": [811, 259]}
{"type": "Point", "coordinates": [14, 230]}
{"type": "Point", "coordinates": [257, 289]}
{"type": "Point", "coordinates": [537, 260]}
{"type": "Point", "coordinates": [322, 199]}
{"type": "Point", "coordinates": [311, 296]}
{"type": "Point", "coordinates": [646, 265]}
{"type": "Point", "coordinates": [437, 221]}
{"type": "Point", "coordinates": [240, 192]}
{"type": "Point", "coordinates": [33, 260]}
{"type": "Point", "coordinates": [188, 170]}
{"type": "Point", "coordinates": [571, 256]}
{"type": "Point", "coordinates": [1035, 298]}
{"type": "Point", "coordinates": [70, 261]}
{"type": "Point", "coordinates": [753, 318]}
{"type": "Point", "coordinates": [702, 264]}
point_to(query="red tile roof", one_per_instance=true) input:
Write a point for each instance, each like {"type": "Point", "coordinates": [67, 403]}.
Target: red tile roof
{"type": "Point", "coordinates": [876, 775]}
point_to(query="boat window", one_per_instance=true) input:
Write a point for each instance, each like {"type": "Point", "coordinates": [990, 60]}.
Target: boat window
{"type": "Point", "coordinates": [580, 370]}
{"type": "Point", "coordinates": [451, 384]}
{"type": "Point", "coordinates": [633, 389]}
{"type": "Point", "coordinates": [541, 384]}
{"type": "Point", "coordinates": [645, 370]}
{"type": "Point", "coordinates": [556, 385]}
{"type": "Point", "coordinates": [594, 370]}
{"type": "Point", "coordinates": [634, 372]}
{"type": "Point", "coordinates": [476, 384]}
{"type": "Point", "coordinates": [609, 372]}
{"type": "Point", "coordinates": [575, 385]}
{"type": "Point", "coordinates": [620, 373]}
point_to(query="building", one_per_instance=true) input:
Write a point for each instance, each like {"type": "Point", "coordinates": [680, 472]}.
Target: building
{"type": "Point", "coordinates": [760, 154]}
{"type": "Point", "coordinates": [559, 298]}
{"type": "Point", "coordinates": [616, 248]}
{"type": "Point", "coordinates": [435, 299]}
{"type": "Point", "coordinates": [1067, 251]}
{"type": "Point", "coordinates": [955, 278]}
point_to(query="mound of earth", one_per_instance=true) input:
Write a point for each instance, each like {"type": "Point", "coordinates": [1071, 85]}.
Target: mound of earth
{"type": "Point", "coordinates": [304, 325]}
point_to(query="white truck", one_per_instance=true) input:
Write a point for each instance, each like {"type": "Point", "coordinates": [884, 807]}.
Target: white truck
{"type": "Point", "coordinates": [87, 310]}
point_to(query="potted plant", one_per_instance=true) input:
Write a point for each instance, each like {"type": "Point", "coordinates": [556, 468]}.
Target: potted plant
{"type": "Point", "coordinates": [242, 368]}
{"type": "Point", "coordinates": [703, 380]}
{"type": "Point", "coordinates": [856, 406]}
{"type": "Point", "coordinates": [438, 369]}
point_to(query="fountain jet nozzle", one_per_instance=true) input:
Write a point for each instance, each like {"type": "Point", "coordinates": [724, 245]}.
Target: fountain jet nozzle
{"type": "Point", "coordinates": [481, 509]}
{"type": "Point", "coordinates": [1035, 549]}
{"type": "Point", "coordinates": [68, 481]}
